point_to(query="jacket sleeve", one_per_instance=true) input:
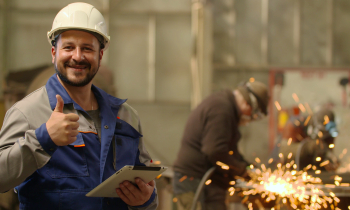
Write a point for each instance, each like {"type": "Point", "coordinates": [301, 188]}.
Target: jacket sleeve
{"type": "Point", "coordinates": [145, 158]}
{"type": "Point", "coordinates": [216, 140]}
{"type": "Point", "coordinates": [151, 204]}
{"type": "Point", "coordinates": [21, 154]}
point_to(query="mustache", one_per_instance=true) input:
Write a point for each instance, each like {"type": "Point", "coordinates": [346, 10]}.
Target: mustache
{"type": "Point", "coordinates": [81, 63]}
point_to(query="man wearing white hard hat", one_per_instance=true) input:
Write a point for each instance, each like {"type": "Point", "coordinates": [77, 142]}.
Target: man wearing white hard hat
{"type": "Point", "coordinates": [67, 137]}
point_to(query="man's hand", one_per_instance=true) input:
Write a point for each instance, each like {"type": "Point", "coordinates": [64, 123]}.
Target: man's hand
{"type": "Point", "coordinates": [62, 128]}
{"type": "Point", "coordinates": [134, 196]}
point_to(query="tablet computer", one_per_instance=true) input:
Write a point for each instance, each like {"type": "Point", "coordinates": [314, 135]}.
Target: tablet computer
{"type": "Point", "coordinates": [108, 187]}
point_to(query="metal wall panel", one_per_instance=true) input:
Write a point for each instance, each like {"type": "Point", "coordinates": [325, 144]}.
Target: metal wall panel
{"type": "Point", "coordinates": [163, 6]}
{"type": "Point", "coordinates": [49, 4]}
{"type": "Point", "coordinates": [280, 34]}
{"type": "Point", "coordinates": [128, 56]}
{"type": "Point", "coordinates": [224, 18]}
{"type": "Point", "coordinates": [162, 126]}
{"type": "Point", "coordinates": [248, 31]}
{"type": "Point", "coordinates": [341, 40]}
{"type": "Point", "coordinates": [27, 40]}
{"type": "Point", "coordinates": [314, 32]}
{"type": "Point", "coordinates": [230, 79]}
{"type": "Point", "coordinates": [173, 53]}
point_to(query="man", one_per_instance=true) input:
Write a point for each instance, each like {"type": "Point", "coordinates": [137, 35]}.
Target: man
{"type": "Point", "coordinates": [211, 135]}
{"type": "Point", "coordinates": [67, 137]}
{"type": "Point", "coordinates": [312, 141]}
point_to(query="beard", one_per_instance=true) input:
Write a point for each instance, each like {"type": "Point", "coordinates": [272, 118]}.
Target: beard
{"type": "Point", "coordinates": [64, 78]}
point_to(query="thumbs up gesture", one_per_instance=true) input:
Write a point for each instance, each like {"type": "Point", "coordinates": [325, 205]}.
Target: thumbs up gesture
{"type": "Point", "coordinates": [62, 128]}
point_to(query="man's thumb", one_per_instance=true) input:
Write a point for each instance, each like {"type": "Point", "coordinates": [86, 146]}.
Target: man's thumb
{"type": "Point", "coordinates": [59, 104]}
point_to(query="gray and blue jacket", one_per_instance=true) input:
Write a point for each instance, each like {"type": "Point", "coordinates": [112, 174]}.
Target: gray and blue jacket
{"type": "Point", "coordinates": [47, 176]}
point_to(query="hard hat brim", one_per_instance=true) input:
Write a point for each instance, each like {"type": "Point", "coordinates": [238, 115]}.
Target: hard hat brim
{"type": "Point", "coordinates": [51, 34]}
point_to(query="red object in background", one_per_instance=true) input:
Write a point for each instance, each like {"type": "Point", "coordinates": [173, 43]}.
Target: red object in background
{"type": "Point", "coordinates": [296, 111]}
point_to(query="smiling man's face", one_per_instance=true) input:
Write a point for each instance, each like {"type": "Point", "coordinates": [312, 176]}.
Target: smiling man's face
{"type": "Point", "coordinates": [76, 57]}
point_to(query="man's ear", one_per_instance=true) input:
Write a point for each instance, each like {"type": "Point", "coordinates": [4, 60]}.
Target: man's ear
{"type": "Point", "coordinates": [53, 54]}
{"type": "Point", "coordinates": [247, 109]}
{"type": "Point", "coordinates": [101, 55]}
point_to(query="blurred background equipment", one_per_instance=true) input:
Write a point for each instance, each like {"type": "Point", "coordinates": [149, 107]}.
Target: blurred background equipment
{"type": "Point", "coordinates": [167, 56]}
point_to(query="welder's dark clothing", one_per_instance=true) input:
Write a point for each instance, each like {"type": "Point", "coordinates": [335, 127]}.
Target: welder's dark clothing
{"type": "Point", "coordinates": [211, 134]}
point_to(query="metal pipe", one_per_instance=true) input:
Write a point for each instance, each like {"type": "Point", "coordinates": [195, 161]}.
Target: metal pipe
{"type": "Point", "coordinates": [106, 14]}
{"type": "Point", "coordinates": [152, 58]}
{"type": "Point", "coordinates": [194, 58]}
{"type": "Point", "coordinates": [296, 30]}
{"type": "Point", "coordinates": [264, 34]}
{"type": "Point", "coordinates": [200, 186]}
{"type": "Point", "coordinates": [272, 124]}
{"type": "Point", "coordinates": [329, 58]}
{"type": "Point", "coordinates": [197, 16]}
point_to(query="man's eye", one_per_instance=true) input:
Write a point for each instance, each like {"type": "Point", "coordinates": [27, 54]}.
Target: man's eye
{"type": "Point", "coordinates": [68, 47]}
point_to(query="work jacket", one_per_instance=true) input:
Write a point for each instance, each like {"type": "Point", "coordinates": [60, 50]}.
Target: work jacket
{"type": "Point", "coordinates": [47, 176]}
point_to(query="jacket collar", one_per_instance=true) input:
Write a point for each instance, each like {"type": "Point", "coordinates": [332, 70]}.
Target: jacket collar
{"type": "Point", "coordinates": [233, 101]}
{"type": "Point", "coordinates": [54, 87]}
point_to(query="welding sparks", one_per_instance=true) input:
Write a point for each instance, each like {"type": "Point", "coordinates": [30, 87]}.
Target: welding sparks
{"type": "Point", "coordinates": [308, 108]}
{"type": "Point", "coordinates": [320, 134]}
{"type": "Point", "coordinates": [208, 182]}
{"type": "Point", "coordinates": [295, 188]}
{"type": "Point", "coordinates": [182, 178]}
{"type": "Point", "coordinates": [331, 146]}
{"type": "Point", "coordinates": [223, 165]}
{"type": "Point", "coordinates": [278, 106]}
{"type": "Point", "coordinates": [302, 108]}
{"type": "Point", "coordinates": [296, 99]}
{"type": "Point", "coordinates": [307, 120]}
{"type": "Point", "coordinates": [326, 120]}
{"type": "Point", "coordinates": [324, 163]}
{"type": "Point", "coordinates": [289, 141]}
{"type": "Point", "coordinates": [296, 122]}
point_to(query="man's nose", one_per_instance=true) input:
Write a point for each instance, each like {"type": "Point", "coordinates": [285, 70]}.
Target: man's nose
{"type": "Point", "coordinates": [78, 54]}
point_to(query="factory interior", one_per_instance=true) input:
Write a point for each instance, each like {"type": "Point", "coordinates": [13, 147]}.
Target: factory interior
{"type": "Point", "coordinates": [166, 56]}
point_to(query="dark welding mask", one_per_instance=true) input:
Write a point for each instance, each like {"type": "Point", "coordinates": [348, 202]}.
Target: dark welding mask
{"type": "Point", "coordinates": [257, 114]}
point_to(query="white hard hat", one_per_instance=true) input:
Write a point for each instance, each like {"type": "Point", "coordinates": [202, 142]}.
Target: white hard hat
{"type": "Point", "coordinates": [80, 16]}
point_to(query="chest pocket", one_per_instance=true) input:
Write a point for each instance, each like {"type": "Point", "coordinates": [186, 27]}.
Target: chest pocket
{"type": "Point", "coordinates": [126, 144]}
{"type": "Point", "coordinates": [69, 161]}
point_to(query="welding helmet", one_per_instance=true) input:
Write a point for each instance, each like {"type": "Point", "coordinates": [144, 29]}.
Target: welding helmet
{"type": "Point", "coordinates": [80, 16]}
{"type": "Point", "coordinates": [256, 95]}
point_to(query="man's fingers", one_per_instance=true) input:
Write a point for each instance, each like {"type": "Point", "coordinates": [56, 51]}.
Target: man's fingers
{"type": "Point", "coordinates": [72, 117]}
{"type": "Point", "coordinates": [128, 189]}
{"type": "Point", "coordinates": [74, 133]}
{"type": "Point", "coordinates": [74, 125]}
{"type": "Point", "coordinates": [59, 104]}
{"type": "Point", "coordinates": [152, 183]}
{"type": "Point", "coordinates": [72, 139]}
{"type": "Point", "coordinates": [142, 186]}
